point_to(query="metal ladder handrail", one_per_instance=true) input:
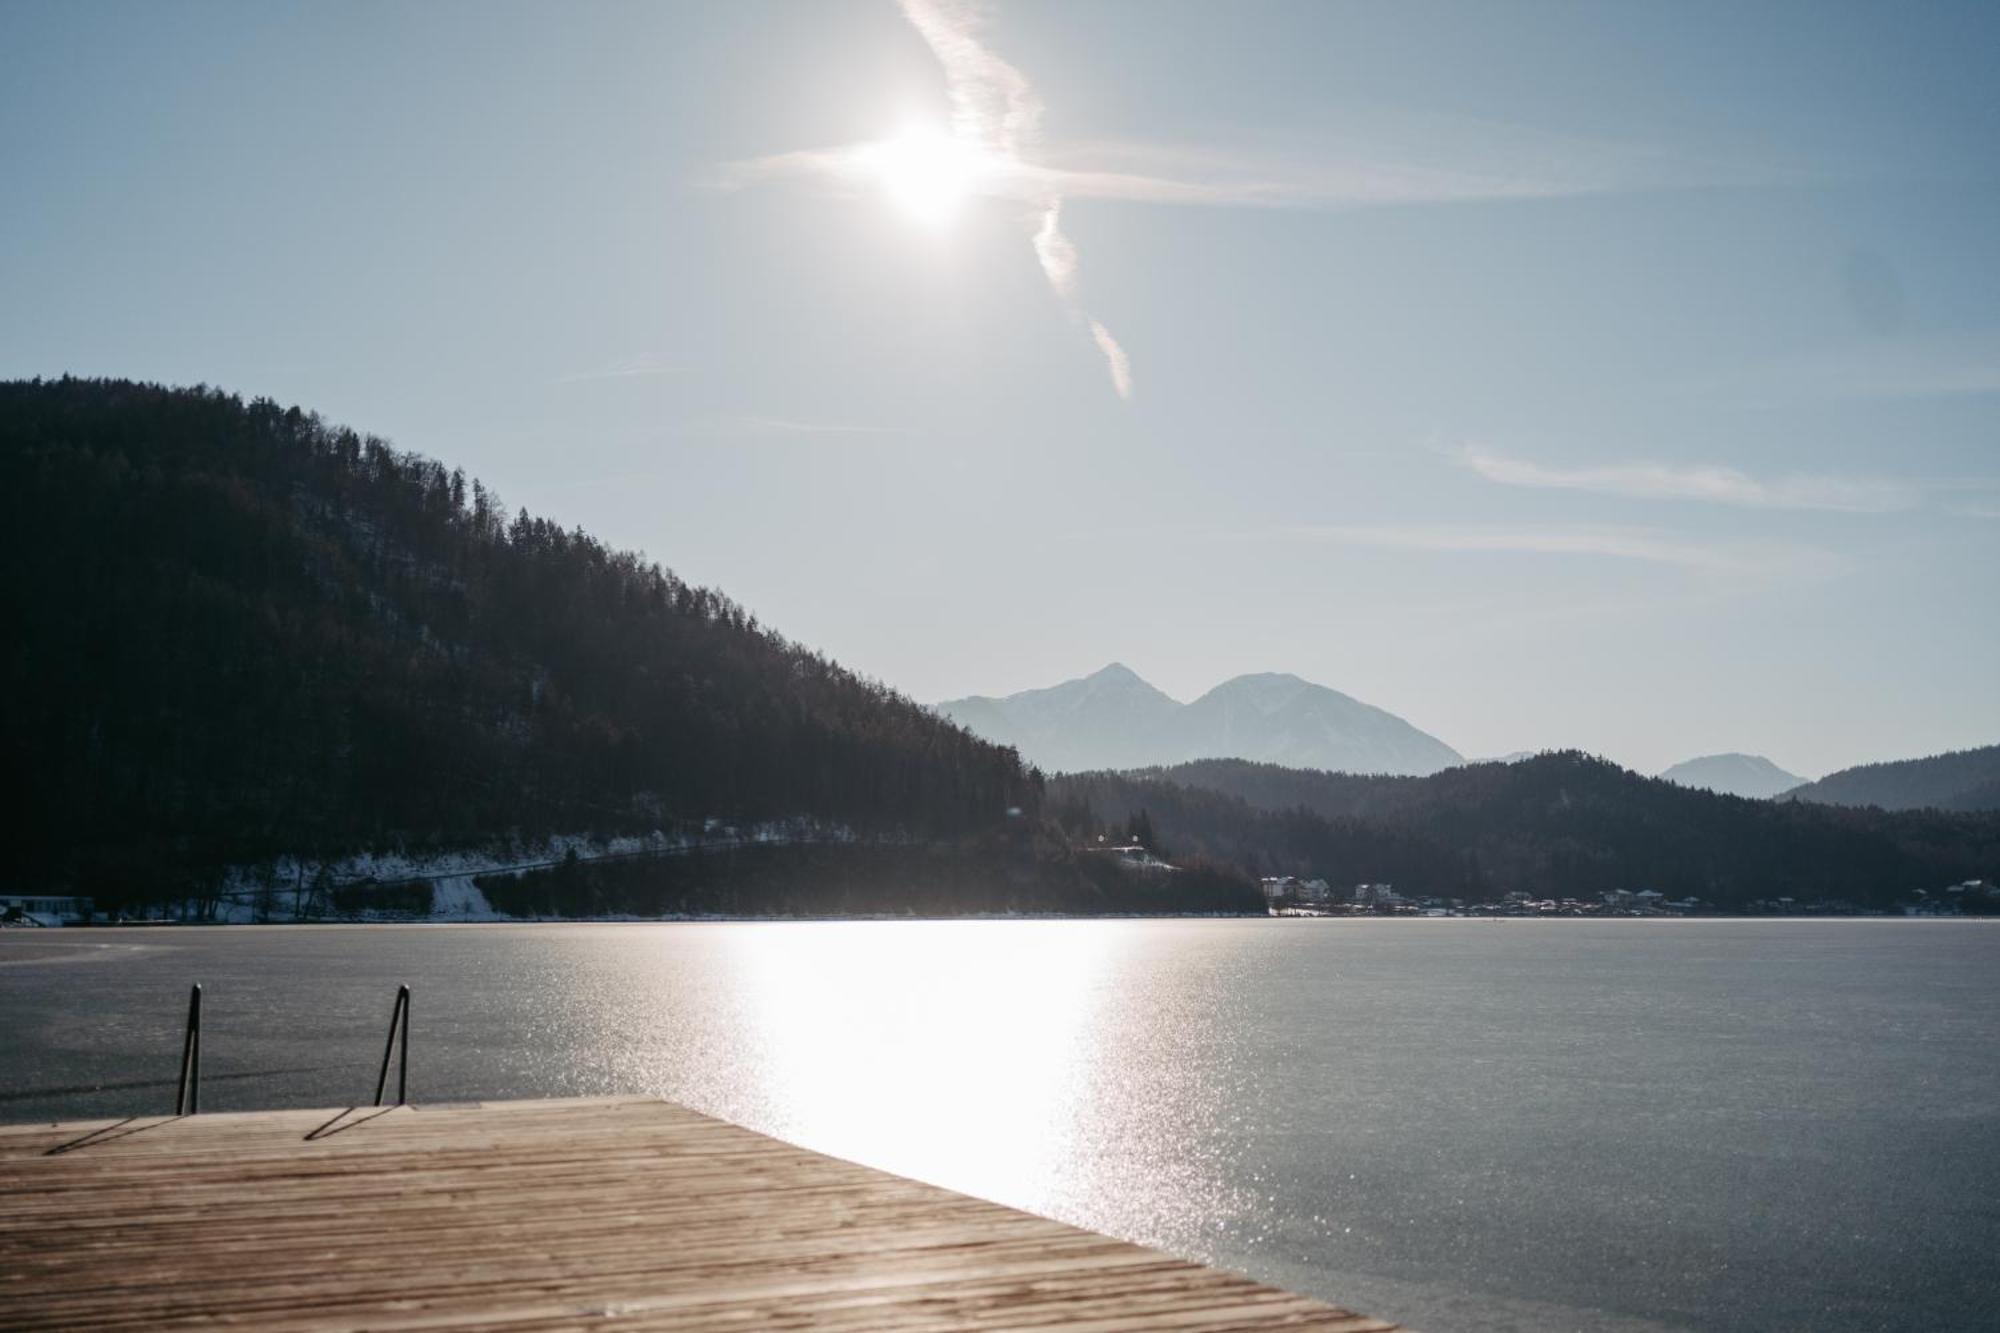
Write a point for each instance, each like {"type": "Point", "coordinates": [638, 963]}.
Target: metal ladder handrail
{"type": "Point", "coordinates": [398, 1017]}
{"type": "Point", "coordinates": [188, 1100]}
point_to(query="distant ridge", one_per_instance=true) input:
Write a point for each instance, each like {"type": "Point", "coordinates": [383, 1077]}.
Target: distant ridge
{"type": "Point", "coordinates": [1114, 719]}
{"type": "Point", "coordinates": [1749, 775]}
{"type": "Point", "coordinates": [1562, 824]}
{"type": "Point", "coordinates": [1958, 780]}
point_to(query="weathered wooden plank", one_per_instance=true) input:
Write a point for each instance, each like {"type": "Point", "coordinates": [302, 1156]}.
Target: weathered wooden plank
{"type": "Point", "coordinates": [529, 1215]}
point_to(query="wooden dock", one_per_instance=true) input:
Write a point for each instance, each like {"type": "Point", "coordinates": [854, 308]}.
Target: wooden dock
{"type": "Point", "coordinates": [625, 1212]}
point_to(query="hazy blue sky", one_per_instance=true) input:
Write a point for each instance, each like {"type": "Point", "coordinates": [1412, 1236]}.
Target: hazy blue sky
{"type": "Point", "coordinates": [1620, 376]}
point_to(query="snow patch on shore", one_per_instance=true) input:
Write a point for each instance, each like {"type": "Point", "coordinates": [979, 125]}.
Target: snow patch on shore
{"type": "Point", "coordinates": [294, 888]}
{"type": "Point", "coordinates": [457, 898]}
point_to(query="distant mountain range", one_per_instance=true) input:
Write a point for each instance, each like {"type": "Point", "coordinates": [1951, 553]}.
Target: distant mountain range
{"type": "Point", "coordinates": [1112, 719]}
{"type": "Point", "coordinates": [1749, 775]}
{"type": "Point", "coordinates": [1960, 780]}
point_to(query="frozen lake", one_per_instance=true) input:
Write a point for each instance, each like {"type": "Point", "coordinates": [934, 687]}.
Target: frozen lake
{"type": "Point", "coordinates": [1459, 1124]}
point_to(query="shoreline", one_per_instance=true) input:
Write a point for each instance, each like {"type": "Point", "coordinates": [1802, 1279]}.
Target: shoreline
{"type": "Point", "coordinates": [999, 917]}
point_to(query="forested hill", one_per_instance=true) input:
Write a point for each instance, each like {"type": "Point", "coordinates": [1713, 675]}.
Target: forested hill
{"type": "Point", "coordinates": [237, 632]}
{"type": "Point", "coordinates": [1960, 780]}
{"type": "Point", "coordinates": [1557, 825]}
{"type": "Point", "coordinates": [1275, 787]}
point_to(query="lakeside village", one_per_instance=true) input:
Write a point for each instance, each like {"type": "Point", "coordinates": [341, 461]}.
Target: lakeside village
{"type": "Point", "coordinates": [1288, 895]}
{"type": "Point", "coordinates": [1293, 895]}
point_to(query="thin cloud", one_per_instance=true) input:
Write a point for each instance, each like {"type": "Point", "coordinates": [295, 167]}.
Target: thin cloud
{"type": "Point", "coordinates": [1617, 543]}
{"type": "Point", "coordinates": [753, 425]}
{"type": "Point", "coordinates": [991, 101]}
{"type": "Point", "coordinates": [1331, 177]}
{"type": "Point", "coordinates": [1707, 482]}
{"type": "Point", "coordinates": [1195, 178]}
{"type": "Point", "coordinates": [1377, 159]}
{"type": "Point", "coordinates": [635, 367]}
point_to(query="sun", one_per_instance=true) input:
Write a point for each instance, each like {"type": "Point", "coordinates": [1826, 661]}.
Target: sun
{"type": "Point", "coordinates": [928, 175]}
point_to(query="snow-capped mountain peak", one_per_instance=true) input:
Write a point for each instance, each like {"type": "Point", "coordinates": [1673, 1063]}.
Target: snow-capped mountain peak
{"type": "Point", "coordinates": [1114, 719]}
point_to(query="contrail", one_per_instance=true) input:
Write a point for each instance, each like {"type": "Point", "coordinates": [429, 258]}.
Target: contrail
{"type": "Point", "coordinates": [1121, 364]}
{"type": "Point", "coordinates": [1057, 254]}
{"type": "Point", "coordinates": [994, 105]}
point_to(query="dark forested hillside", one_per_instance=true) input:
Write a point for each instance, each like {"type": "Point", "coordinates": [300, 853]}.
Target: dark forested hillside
{"type": "Point", "coordinates": [235, 632]}
{"type": "Point", "coordinates": [1275, 787]}
{"type": "Point", "coordinates": [1960, 780]}
{"type": "Point", "coordinates": [1561, 824]}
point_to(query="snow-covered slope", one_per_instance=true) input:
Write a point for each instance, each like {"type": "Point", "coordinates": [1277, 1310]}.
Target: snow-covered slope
{"type": "Point", "coordinates": [1114, 719]}
{"type": "Point", "coordinates": [1109, 719]}
{"type": "Point", "coordinates": [1734, 775]}
{"type": "Point", "coordinates": [1280, 719]}
{"type": "Point", "coordinates": [301, 889]}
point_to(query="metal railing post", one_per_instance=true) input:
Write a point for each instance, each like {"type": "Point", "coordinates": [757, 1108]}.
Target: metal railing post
{"type": "Point", "coordinates": [403, 1060]}
{"type": "Point", "coordinates": [188, 1100]}
{"type": "Point", "coordinates": [399, 1018]}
